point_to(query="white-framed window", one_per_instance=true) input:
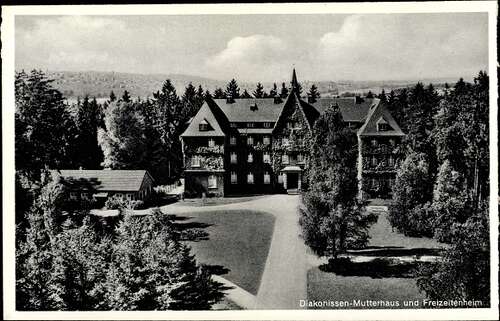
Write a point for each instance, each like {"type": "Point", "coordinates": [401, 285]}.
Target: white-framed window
{"type": "Point", "coordinates": [300, 158]}
{"type": "Point", "coordinates": [280, 179]}
{"type": "Point", "coordinates": [285, 159]}
{"type": "Point", "coordinates": [119, 195]}
{"type": "Point", "coordinates": [267, 178]}
{"type": "Point", "coordinates": [203, 126]}
{"type": "Point", "coordinates": [267, 125]}
{"type": "Point", "coordinates": [289, 125]}
{"type": "Point", "coordinates": [232, 140]}
{"type": "Point", "coordinates": [195, 161]}
{"type": "Point", "coordinates": [250, 178]}
{"type": "Point", "coordinates": [374, 142]}
{"type": "Point", "coordinates": [234, 178]}
{"type": "Point", "coordinates": [250, 125]}
{"type": "Point", "coordinates": [266, 140]}
{"type": "Point", "coordinates": [211, 142]}
{"type": "Point", "coordinates": [391, 160]}
{"type": "Point", "coordinates": [250, 158]}
{"type": "Point", "coordinates": [234, 125]}
{"type": "Point", "coordinates": [374, 161]}
{"type": "Point", "coordinates": [212, 181]}
{"type": "Point", "coordinates": [85, 196]}
{"type": "Point", "coordinates": [297, 125]}
{"type": "Point", "coordinates": [250, 140]}
{"type": "Point", "coordinates": [267, 157]}
{"type": "Point", "coordinates": [73, 195]}
{"type": "Point", "coordinates": [130, 196]}
{"type": "Point", "coordinates": [234, 158]}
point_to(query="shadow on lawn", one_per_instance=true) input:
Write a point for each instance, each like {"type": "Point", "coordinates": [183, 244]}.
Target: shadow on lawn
{"type": "Point", "coordinates": [216, 269]}
{"type": "Point", "coordinates": [376, 268]}
{"type": "Point", "coordinates": [395, 251]}
{"type": "Point", "coordinates": [189, 231]}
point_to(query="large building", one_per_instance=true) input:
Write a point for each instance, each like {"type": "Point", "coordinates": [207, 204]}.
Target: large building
{"type": "Point", "coordinates": [235, 146]}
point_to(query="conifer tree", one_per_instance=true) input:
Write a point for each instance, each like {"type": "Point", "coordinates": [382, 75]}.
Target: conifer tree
{"type": "Point", "coordinates": [232, 90]}
{"type": "Point", "coordinates": [274, 91]}
{"type": "Point", "coordinates": [126, 97]}
{"type": "Point", "coordinates": [284, 91]}
{"type": "Point", "coordinates": [219, 94]}
{"type": "Point", "coordinates": [245, 94]}
{"type": "Point", "coordinates": [112, 96]}
{"type": "Point", "coordinates": [313, 94]}
{"type": "Point", "coordinates": [259, 91]}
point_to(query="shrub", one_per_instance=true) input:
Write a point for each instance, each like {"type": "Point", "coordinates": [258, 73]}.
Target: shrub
{"type": "Point", "coordinates": [120, 203]}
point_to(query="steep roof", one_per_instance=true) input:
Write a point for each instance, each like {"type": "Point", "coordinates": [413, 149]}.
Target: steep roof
{"type": "Point", "coordinates": [205, 114]}
{"type": "Point", "coordinates": [243, 110]}
{"type": "Point", "coordinates": [105, 180]}
{"type": "Point", "coordinates": [351, 111]}
{"type": "Point", "coordinates": [379, 114]}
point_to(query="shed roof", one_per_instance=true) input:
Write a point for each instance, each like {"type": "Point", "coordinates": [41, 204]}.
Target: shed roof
{"type": "Point", "coordinates": [105, 180]}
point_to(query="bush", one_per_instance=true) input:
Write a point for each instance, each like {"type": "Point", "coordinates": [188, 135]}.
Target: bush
{"type": "Point", "coordinates": [119, 203]}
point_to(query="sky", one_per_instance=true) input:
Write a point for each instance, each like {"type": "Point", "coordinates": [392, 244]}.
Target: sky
{"type": "Point", "coordinates": [260, 47]}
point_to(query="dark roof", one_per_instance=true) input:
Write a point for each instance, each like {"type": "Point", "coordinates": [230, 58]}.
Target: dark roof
{"type": "Point", "coordinates": [351, 111]}
{"type": "Point", "coordinates": [379, 113]}
{"type": "Point", "coordinates": [106, 180]}
{"type": "Point", "coordinates": [242, 110]}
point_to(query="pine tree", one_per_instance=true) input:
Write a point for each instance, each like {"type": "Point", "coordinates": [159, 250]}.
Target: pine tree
{"type": "Point", "coordinates": [369, 94]}
{"type": "Point", "coordinates": [259, 91]}
{"type": "Point", "coordinates": [246, 95]}
{"type": "Point", "coordinates": [333, 220]}
{"type": "Point", "coordinates": [189, 101]}
{"type": "Point", "coordinates": [382, 96]}
{"type": "Point", "coordinates": [112, 96]}
{"type": "Point", "coordinates": [219, 94]}
{"type": "Point", "coordinates": [126, 97]}
{"type": "Point", "coordinates": [313, 94]}
{"type": "Point", "coordinates": [232, 90]}
{"type": "Point", "coordinates": [89, 154]}
{"type": "Point", "coordinates": [284, 91]}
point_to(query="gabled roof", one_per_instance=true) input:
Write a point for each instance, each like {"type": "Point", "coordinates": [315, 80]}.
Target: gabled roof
{"type": "Point", "coordinates": [242, 110]}
{"type": "Point", "coordinates": [105, 180]}
{"type": "Point", "coordinates": [351, 111]}
{"type": "Point", "coordinates": [377, 114]}
{"type": "Point", "coordinates": [205, 114]}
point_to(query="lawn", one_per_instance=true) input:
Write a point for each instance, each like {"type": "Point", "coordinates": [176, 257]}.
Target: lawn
{"type": "Point", "coordinates": [213, 201]}
{"type": "Point", "coordinates": [236, 246]}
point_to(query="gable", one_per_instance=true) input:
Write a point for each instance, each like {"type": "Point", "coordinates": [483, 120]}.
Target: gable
{"type": "Point", "coordinates": [205, 116]}
{"type": "Point", "coordinates": [293, 111]}
{"type": "Point", "coordinates": [378, 114]}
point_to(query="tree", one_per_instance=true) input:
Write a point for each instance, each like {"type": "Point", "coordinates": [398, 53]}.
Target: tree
{"type": "Point", "coordinates": [284, 91]}
{"type": "Point", "coordinates": [274, 91]}
{"type": "Point", "coordinates": [246, 95]}
{"type": "Point", "coordinates": [412, 188]}
{"type": "Point", "coordinates": [382, 96]}
{"type": "Point", "coordinates": [89, 155]}
{"type": "Point", "coordinates": [259, 91]}
{"type": "Point", "coordinates": [112, 96]}
{"type": "Point", "coordinates": [44, 129]}
{"type": "Point", "coordinates": [369, 94]}
{"type": "Point", "coordinates": [123, 141]}
{"type": "Point", "coordinates": [332, 219]}
{"type": "Point", "coordinates": [313, 94]}
{"type": "Point", "coordinates": [152, 270]}
{"type": "Point", "coordinates": [126, 97]}
{"type": "Point", "coordinates": [463, 271]}
{"type": "Point", "coordinates": [232, 90]}
{"type": "Point", "coordinates": [190, 101]}
{"type": "Point", "coordinates": [219, 94]}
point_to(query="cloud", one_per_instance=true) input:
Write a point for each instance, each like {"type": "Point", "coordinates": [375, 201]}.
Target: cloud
{"type": "Point", "coordinates": [255, 57]}
{"type": "Point", "coordinates": [387, 46]}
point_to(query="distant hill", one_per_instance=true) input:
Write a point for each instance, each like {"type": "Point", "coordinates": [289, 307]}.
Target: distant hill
{"type": "Point", "coordinates": [100, 84]}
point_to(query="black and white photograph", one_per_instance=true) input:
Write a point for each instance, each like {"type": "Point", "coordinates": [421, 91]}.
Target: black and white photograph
{"type": "Point", "coordinates": [297, 161]}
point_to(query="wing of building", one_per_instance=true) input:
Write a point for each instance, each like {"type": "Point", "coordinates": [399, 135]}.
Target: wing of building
{"type": "Point", "coordinates": [255, 146]}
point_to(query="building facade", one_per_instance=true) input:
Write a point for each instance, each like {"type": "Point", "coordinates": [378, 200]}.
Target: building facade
{"type": "Point", "coordinates": [255, 146]}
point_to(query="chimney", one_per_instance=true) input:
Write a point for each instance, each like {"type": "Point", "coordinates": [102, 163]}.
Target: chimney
{"type": "Point", "coordinates": [358, 99]}
{"type": "Point", "coordinates": [277, 99]}
{"type": "Point", "coordinates": [254, 107]}
{"type": "Point", "coordinates": [229, 99]}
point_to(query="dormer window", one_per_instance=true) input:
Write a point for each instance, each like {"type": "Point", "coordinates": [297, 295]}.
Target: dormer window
{"type": "Point", "coordinates": [383, 125]}
{"type": "Point", "coordinates": [267, 125]}
{"type": "Point", "coordinates": [204, 126]}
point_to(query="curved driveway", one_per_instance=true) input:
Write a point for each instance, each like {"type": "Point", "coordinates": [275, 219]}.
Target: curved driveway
{"type": "Point", "coordinates": [284, 280]}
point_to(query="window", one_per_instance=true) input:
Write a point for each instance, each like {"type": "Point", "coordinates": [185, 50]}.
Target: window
{"type": "Point", "coordinates": [297, 125]}
{"type": "Point", "coordinates": [250, 178]}
{"type": "Point", "coordinates": [267, 158]}
{"type": "Point", "coordinates": [130, 196]}
{"type": "Point", "coordinates": [250, 158]}
{"type": "Point", "coordinates": [212, 181]}
{"type": "Point", "coordinates": [266, 140]}
{"type": "Point", "coordinates": [234, 125]}
{"type": "Point", "coordinates": [267, 178]}
{"type": "Point", "coordinates": [374, 161]}
{"type": "Point", "coordinates": [280, 179]}
{"type": "Point", "coordinates": [195, 161]}
{"type": "Point", "coordinates": [300, 158]}
{"type": "Point", "coordinates": [232, 140]}
{"type": "Point", "coordinates": [373, 182]}
{"type": "Point", "coordinates": [285, 159]}
{"type": "Point", "coordinates": [391, 160]}
{"type": "Point", "coordinates": [85, 196]}
{"type": "Point", "coordinates": [234, 158]}
{"type": "Point", "coordinates": [234, 178]}
{"type": "Point", "coordinates": [73, 195]}
{"type": "Point", "coordinates": [383, 127]}
{"type": "Point", "coordinates": [119, 195]}
{"type": "Point", "coordinates": [211, 142]}
{"type": "Point", "coordinates": [267, 125]}
{"type": "Point", "coordinates": [203, 126]}
{"type": "Point", "coordinates": [289, 125]}
{"type": "Point", "coordinates": [250, 140]}
{"type": "Point", "coordinates": [392, 181]}
{"type": "Point", "coordinates": [250, 125]}
{"type": "Point", "coordinates": [374, 143]}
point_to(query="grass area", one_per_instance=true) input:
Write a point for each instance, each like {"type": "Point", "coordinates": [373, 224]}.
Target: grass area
{"type": "Point", "coordinates": [236, 246]}
{"type": "Point", "coordinates": [213, 201]}
{"type": "Point", "coordinates": [226, 304]}
{"type": "Point", "coordinates": [330, 286]}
